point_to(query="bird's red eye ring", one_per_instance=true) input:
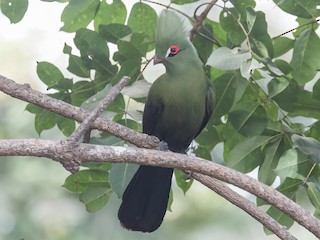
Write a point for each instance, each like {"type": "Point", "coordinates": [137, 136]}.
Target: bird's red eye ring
{"type": "Point", "coordinates": [174, 49]}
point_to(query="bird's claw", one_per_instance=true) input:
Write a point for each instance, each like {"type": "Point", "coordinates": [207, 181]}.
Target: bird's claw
{"type": "Point", "coordinates": [188, 175]}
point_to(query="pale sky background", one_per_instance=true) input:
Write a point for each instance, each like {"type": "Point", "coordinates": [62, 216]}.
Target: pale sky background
{"type": "Point", "coordinates": [37, 38]}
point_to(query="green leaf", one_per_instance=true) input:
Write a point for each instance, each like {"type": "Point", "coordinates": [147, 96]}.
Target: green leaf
{"type": "Point", "coordinates": [305, 106]}
{"type": "Point", "coordinates": [241, 6]}
{"type": "Point", "coordinates": [251, 16]}
{"type": "Point", "coordinates": [248, 118]}
{"type": "Point", "coordinates": [203, 46]}
{"type": "Point", "coordinates": [280, 217]}
{"type": "Point", "coordinates": [130, 68]}
{"type": "Point", "coordinates": [33, 108]}
{"type": "Point", "coordinates": [138, 89]}
{"type": "Point", "coordinates": [228, 59]}
{"type": "Point", "coordinates": [271, 158]}
{"type": "Point", "coordinates": [314, 194]}
{"type": "Point", "coordinates": [238, 155]}
{"type": "Point", "coordinates": [259, 37]}
{"type": "Point", "coordinates": [66, 126]}
{"type": "Point", "coordinates": [117, 106]}
{"type": "Point", "coordinates": [208, 136]}
{"type": "Point", "coordinates": [81, 91]}
{"type": "Point", "coordinates": [225, 87]}
{"type": "Point", "coordinates": [91, 45]}
{"type": "Point", "coordinates": [142, 19]}
{"type": "Point", "coordinates": [292, 165]}
{"type": "Point", "coordinates": [308, 146]}
{"type": "Point", "coordinates": [276, 86]}
{"type": "Point", "coordinates": [289, 188]}
{"type": "Point", "coordinates": [282, 45]}
{"type": "Point", "coordinates": [305, 60]}
{"type": "Point", "coordinates": [202, 152]}
{"type": "Point", "coordinates": [14, 9]}
{"type": "Point", "coordinates": [49, 74]}
{"type": "Point", "coordinates": [86, 179]}
{"type": "Point", "coordinates": [316, 90]}
{"type": "Point", "coordinates": [183, 1]}
{"type": "Point", "coordinates": [283, 66]}
{"type": "Point", "coordinates": [77, 67]}
{"type": "Point", "coordinates": [285, 98]}
{"type": "Point", "coordinates": [108, 140]}
{"type": "Point", "coordinates": [300, 8]}
{"type": "Point", "coordinates": [114, 32]}
{"type": "Point", "coordinates": [183, 182]}
{"type": "Point", "coordinates": [44, 120]}
{"type": "Point", "coordinates": [228, 21]}
{"type": "Point", "coordinates": [128, 50]}
{"type": "Point", "coordinates": [115, 12]}
{"type": "Point", "coordinates": [95, 198]}
{"type": "Point", "coordinates": [78, 14]}
{"type": "Point", "coordinates": [120, 176]}
{"type": "Point", "coordinates": [170, 201]}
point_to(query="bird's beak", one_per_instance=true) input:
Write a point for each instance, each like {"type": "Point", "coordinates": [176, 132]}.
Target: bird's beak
{"type": "Point", "coordinates": [157, 60]}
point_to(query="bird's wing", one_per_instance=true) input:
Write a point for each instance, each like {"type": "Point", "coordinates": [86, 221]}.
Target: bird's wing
{"type": "Point", "coordinates": [209, 108]}
{"type": "Point", "coordinates": [152, 111]}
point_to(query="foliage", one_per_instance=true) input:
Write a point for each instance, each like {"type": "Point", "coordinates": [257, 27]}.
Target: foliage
{"type": "Point", "coordinates": [260, 89]}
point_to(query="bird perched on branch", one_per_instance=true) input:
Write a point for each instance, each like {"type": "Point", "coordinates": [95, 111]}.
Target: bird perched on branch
{"type": "Point", "coordinates": [178, 107]}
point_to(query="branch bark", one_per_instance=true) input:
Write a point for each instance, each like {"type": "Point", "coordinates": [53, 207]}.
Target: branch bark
{"type": "Point", "coordinates": [86, 124]}
{"type": "Point", "coordinates": [199, 19]}
{"type": "Point", "coordinates": [245, 205]}
{"type": "Point", "coordinates": [25, 93]}
{"type": "Point", "coordinates": [96, 153]}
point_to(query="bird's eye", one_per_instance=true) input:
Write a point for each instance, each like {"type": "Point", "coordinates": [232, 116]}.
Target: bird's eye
{"type": "Point", "coordinates": [173, 50]}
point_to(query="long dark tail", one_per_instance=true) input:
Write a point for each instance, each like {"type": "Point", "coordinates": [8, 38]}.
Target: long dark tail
{"type": "Point", "coordinates": [144, 202]}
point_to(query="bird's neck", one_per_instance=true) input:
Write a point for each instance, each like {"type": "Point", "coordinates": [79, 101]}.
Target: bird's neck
{"type": "Point", "coordinates": [184, 67]}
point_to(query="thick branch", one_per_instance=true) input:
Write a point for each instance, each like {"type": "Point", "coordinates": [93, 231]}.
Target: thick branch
{"type": "Point", "coordinates": [97, 153]}
{"type": "Point", "coordinates": [245, 205]}
{"type": "Point", "coordinates": [26, 93]}
{"type": "Point", "coordinates": [87, 123]}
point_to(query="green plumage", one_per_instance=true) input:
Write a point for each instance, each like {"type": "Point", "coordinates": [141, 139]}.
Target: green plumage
{"type": "Point", "coordinates": [179, 105]}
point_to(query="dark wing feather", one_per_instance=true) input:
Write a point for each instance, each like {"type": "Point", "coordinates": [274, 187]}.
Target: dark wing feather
{"type": "Point", "coordinates": [209, 108]}
{"type": "Point", "coordinates": [152, 111]}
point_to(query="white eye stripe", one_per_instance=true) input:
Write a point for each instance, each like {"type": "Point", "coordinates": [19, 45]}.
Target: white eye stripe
{"type": "Point", "coordinates": [168, 52]}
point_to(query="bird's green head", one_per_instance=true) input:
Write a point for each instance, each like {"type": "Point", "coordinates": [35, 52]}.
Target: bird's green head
{"type": "Point", "coordinates": [172, 43]}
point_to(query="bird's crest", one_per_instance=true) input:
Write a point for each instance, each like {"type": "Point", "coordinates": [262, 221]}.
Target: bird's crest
{"type": "Point", "coordinates": [170, 28]}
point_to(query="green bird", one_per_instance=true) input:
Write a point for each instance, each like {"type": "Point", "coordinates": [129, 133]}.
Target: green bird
{"type": "Point", "coordinates": [178, 107]}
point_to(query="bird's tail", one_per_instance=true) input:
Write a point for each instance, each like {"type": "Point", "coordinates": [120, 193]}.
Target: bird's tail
{"type": "Point", "coordinates": [145, 200]}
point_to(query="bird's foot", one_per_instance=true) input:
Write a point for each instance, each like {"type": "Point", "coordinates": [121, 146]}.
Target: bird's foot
{"type": "Point", "coordinates": [163, 146]}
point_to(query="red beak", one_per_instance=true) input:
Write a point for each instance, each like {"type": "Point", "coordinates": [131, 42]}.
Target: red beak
{"type": "Point", "coordinates": [157, 60]}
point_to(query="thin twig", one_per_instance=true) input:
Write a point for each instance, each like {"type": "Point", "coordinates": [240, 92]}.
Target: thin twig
{"type": "Point", "coordinates": [245, 205]}
{"type": "Point", "coordinates": [169, 7]}
{"type": "Point", "coordinates": [88, 121]}
{"type": "Point", "coordinates": [293, 29]}
{"type": "Point", "coordinates": [199, 19]}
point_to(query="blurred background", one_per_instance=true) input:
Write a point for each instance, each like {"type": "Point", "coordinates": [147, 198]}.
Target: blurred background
{"type": "Point", "coordinates": [33, 203]}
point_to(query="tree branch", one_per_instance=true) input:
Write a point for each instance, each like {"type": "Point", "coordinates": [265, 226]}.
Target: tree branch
{"type": "Point", "coordinates": [199, 19]}
{"type": "Point", "coordinates": [86, 124]}
{"type": "Point", "coordinates": [61, 152]}
{"type": "Point", "coordinates": [26, 93]}
{"type": "Point", "coordinates": [245, 205]}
